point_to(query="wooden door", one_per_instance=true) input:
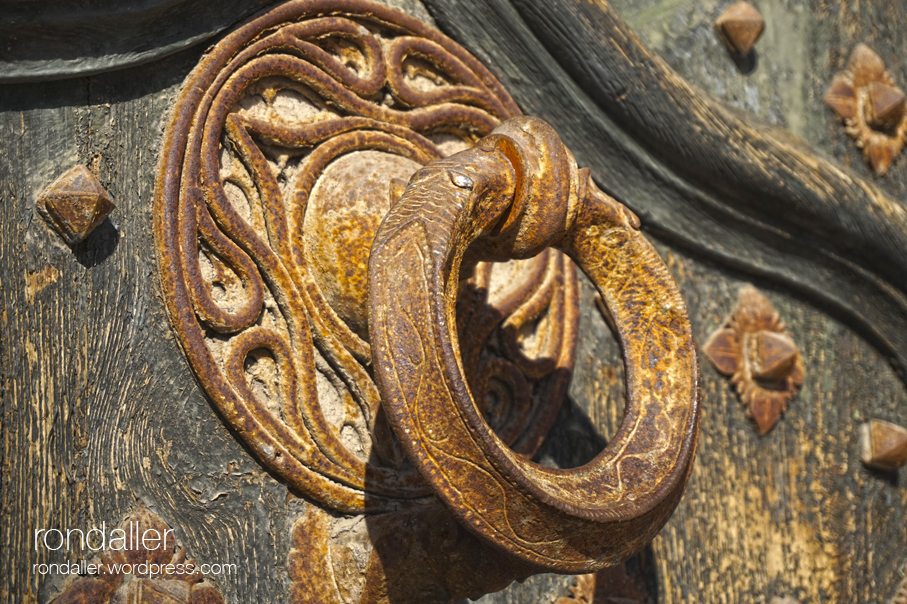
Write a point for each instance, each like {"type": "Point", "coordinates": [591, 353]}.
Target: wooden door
{"type": "Point", "coordinates": [103, 419]}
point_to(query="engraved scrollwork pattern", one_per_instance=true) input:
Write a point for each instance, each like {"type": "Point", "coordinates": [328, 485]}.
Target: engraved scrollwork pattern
{"type": "Point", "coordinates": [516, 192]}
{"type": "Point", "coordinates": [266, 132]}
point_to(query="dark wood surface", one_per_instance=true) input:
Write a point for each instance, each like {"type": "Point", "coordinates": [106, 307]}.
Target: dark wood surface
{"type": "Point", "coordinates": [45, 42]}
{"type": "Point", "coordinates": [101, 416]}
{"type": "Point", "coordinates": [793, 512]}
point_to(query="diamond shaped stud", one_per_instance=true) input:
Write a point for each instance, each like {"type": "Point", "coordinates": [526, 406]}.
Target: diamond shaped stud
{"type": "Point", "coordinates": [739, 27]}
{"type": "Point", "coordinates": [873, 108]}
{"type": "Point", "coordinates": [883, 445]}
{"type": "Point", "coordinates": [75, 204]}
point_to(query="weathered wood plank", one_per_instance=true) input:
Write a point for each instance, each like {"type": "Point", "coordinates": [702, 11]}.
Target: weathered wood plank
{"type": "Point", "coordinates": [100, 412]}
{"type": "Point", "coordinates": [793, 512]}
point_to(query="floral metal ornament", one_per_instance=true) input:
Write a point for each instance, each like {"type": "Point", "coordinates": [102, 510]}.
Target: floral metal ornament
{"type": "Point", "coordinates": [762, 359]}
{"type": "Point", "coordinates": [872, 106]}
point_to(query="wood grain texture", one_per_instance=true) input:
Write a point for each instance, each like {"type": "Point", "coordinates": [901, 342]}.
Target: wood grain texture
{"type": "Point", "coordinates": [742, 194]}
{"type": "Point", "coordinates": [100, 414]}
{"type": "Point", "coordinates": [805, 44]}
{"type": "Point", "coordinates": [794, 512]}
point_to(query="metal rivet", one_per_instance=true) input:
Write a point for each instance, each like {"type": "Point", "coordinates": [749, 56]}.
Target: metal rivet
{"type": "Point", "coordinates": [739, 27]}
{"type": "Point", "coordinates": [883, 445]}
{"type": "Point", "coordinates": [75, 204]}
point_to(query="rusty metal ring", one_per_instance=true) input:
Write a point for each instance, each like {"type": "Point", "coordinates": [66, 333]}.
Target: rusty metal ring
{"type": "Point", "coordinates": [516, 192]}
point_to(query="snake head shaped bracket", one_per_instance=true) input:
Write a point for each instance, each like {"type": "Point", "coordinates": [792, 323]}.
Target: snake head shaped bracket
{"type": "Point", "coordinates": [514, 193]}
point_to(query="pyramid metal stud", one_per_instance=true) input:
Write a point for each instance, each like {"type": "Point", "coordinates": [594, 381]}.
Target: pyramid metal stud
{"type": "Point", "coordinates": [841, 97]}
{"type": "Point", "coordinates": [739, 27]}
{"type": "Point", "coordinates": [75, 204]}
{"type": "Point", "coordinates": [883, 445]}
{"type": "Point", "coordinates": [775, 355]}
{"type": "Point", "coordinates": [865, 65]}
{"type": "Point", "coordinates": [886, 105]}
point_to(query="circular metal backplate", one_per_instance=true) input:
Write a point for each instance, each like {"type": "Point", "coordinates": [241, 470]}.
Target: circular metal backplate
{"type": "Point", "coordinates": [288, 144]}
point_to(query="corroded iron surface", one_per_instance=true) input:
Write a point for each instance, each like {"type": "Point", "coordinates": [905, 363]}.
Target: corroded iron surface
{"type": "Point", "coordinates": [75, 204]}
{"type": "Point", "coordinates": [515, 193]}
{"type": "Point", "coordinates": [288, 145]}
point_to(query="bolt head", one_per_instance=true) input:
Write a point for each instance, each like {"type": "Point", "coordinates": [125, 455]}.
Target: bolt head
{"type": "Point", "coordinates": [886, 106]}
{"type": "Point", "coordinates": [775, 355]}
{"type": "Point", "coordinates": [866, 66]}
{"type": "Point", "coordinates": [75, 204]}
{"type": "Point", "coordinates": [739, 27]}
{"type": "Point", "coordinates": [883, 445]}
{"type": "Point", "coordinates": [841, 97]}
